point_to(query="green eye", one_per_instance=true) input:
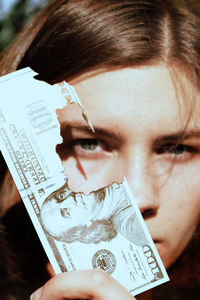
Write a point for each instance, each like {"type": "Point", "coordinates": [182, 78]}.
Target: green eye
{"type": "Point", "coordinates": [179, 149]}
{"type": "Point", "coordinates": [88, 144]}
{"type": "Point", "coordinates": [176, 149]}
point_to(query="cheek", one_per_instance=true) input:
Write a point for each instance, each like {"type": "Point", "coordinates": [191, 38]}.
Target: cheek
{"type": "Point", "coordinates": [185, 207]}
{"type": "Point", "coordinates": [192, 184]}
{"type": "Point", "coordinates": [89, 175]}
{"type": "Point", "coordinates": [179, 213]}
{"type": "Point", "coordinates": [184, 188]}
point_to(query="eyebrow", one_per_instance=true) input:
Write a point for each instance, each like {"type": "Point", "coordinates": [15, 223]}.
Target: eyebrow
{"type": "Point", "coordinates": [86, 129]}
{"type": "Point", "coordinates": [166, 138]}
{"type": "Point", "coordinates": [178, 136]}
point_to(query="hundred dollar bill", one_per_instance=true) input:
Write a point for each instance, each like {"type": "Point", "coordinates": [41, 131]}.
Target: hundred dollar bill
{"type": "Point", "coordinates": [102, 230]}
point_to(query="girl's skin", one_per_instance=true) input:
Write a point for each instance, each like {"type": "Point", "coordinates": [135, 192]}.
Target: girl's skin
{"type": "Point", "coordinates": [138, 134]}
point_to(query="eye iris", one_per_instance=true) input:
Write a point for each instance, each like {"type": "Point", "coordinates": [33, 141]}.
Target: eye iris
{"type": "Point", "coordinates": [178, 150]}
{"type": "Point", "coordinates": [89, 144]}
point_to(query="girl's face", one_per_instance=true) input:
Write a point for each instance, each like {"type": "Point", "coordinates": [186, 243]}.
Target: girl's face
{"type": "Point", "coordinates": [138, 119]}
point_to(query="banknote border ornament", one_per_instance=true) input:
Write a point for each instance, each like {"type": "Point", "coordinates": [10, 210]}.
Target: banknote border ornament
{"type": "Point", "coordinates": [105, 260]}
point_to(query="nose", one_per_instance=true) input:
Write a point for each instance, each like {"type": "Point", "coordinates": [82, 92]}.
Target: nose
{"type": "Point", "coordinates": [144, 184]}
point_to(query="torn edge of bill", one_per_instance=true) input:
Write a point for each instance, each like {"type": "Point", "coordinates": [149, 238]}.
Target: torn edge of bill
{"type": "Point", "coordinates": [71, 96]}
{"type": "Point", "coordinates": [68, 92]}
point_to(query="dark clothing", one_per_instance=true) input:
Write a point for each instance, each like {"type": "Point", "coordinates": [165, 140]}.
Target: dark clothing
{"type": "Point", "coordinates": [26, 251]}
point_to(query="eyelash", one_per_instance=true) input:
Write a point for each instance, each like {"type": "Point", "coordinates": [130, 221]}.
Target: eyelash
{"type": "Point", "coordinates": [88, 142]}
{"type": "Point", "coordinates": [179, 152]}
{"type": "Point", "coordinates": [97, 146]}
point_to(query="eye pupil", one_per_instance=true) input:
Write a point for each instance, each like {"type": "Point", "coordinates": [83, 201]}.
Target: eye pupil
{"type": "Point", "coordinates": [89, 144]}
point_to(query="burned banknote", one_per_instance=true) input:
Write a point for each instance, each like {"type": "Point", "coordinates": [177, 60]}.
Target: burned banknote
{"type": "Point", "coordinates": [104, 229]}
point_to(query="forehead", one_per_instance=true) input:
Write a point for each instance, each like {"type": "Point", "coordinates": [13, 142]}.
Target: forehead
{"type": "Point", "coordinates": [145, 92]}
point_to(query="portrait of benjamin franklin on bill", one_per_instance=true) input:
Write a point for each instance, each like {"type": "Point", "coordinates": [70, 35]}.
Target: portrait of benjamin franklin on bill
{"type": "Point", "coordinates": [69, 217]}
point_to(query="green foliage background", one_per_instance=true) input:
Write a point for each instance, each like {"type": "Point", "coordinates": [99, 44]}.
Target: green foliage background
{"type": "Point", "coordinates": [18, 16]}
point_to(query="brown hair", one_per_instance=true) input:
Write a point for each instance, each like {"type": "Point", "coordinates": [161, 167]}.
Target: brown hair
{"type": "Point", "coordinates": [69, 38]}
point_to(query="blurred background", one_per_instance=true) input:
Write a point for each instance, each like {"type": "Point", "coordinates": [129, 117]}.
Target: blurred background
{"type": "Point", "coordinates": [14, 14]}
